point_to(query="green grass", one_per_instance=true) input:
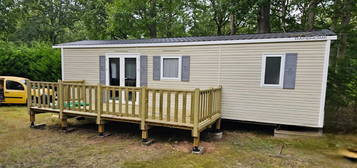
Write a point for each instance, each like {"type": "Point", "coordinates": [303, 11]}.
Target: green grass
{"type": "Point", "coordinates": [21, 146]}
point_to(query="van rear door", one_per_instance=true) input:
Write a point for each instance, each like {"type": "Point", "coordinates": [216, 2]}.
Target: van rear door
{"type": "Point", "coordinates": [14, 92]}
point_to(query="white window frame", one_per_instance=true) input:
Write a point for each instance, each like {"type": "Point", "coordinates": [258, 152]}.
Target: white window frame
{"type": "Point", "coordinates": [282, 69]}
{"type": "Point", "coordinates": [162, 68]}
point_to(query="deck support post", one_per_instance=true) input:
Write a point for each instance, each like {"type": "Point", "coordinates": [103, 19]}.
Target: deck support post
{"type": "Point", "coordinates": [196, 143]}
{"type": "Point", "coordinates": [32, 118]}
{"type": "Point", "coordinates": [217, 134]}
{"type": "Point", "coordinates": [218, 125]}
{"type": "Point", "coordinates": [196, 132]}
{"type": "Point", "coordinates": [144, 128]}
{"type": "Point", "coordinates": [196, 146]}
{"type": "Point", "coordinates": [101, 129]}
{"type": "Point", "coordinates": [29, 101]}
{"type": "Point", "coordinates": [64, 123]}
{"type": "Point", "coordinates": [144, 135]}
{"type": "Point", "coordinates": [99, 104]}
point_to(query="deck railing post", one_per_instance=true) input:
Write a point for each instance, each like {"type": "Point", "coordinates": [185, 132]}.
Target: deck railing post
{"type": "Point", "coordinates": [220, 100]}
{"type": "Point", "coordinates": [210, 103]}
{"type": "Point", "coordinates": [143, 107]}
{"type": "Point", "coordinates": [196, 112]}
{"type": "Point", "coordinates": [219, 106]}
{"type": "Point", "coordinates": [195, 131]}
{"type": "Point", "coordinates": [99, 103]}
{"type": "Point", "coordinates": [143, 112]}
{"type": "Point", "coordinates": [81, 95]}
{"type": "Point", "coordinates": [29, 101]}
{"type": "Point", "coordinates": [62, 117]}
{"type": "Point", "coordinates": [60, 94]}
{"type": "Point", "coordinates": [100, 110]}
{"type": "Point", "coordinates": [29, 97]}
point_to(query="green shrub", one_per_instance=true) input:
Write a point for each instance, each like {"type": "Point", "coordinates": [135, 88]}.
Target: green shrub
{"type": "Point", "coordinates": [36, 61]}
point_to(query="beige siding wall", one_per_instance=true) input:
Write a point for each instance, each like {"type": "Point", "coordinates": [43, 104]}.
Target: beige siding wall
{"type": "Point", "coordinates": [83, 64]}
{"type": "Point", "coordinates": [238, 69]}
{"type": "Point", "coordinates": [245, 99]}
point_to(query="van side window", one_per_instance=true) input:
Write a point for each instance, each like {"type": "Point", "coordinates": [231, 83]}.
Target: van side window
{"type": "Point", "coordinates": [12, 85]}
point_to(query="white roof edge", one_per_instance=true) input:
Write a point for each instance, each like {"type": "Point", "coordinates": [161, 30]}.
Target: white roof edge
{"type": "Point", "coordinates": [293, 39]}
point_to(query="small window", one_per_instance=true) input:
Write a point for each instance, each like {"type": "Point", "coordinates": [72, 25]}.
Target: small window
{"type": "Point", "coordinates": [272, 70]}
{"type": "Point", "coordinates": [171, 67]}
{"type": "Point", "coordinates": [12, 85]}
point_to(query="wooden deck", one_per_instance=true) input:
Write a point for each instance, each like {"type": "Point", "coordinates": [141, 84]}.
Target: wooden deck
{"type": "Point", "coordinates": [193, 110]}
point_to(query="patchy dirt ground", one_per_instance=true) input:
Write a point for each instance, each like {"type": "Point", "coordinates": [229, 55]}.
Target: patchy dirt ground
{"type": "Point", "coordinates": [21, 146]}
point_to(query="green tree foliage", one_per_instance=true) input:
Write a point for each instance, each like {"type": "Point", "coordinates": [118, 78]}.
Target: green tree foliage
{"type": "Point", "coordinates": [95, 18]}
{"type": "Point", "coordinates": [201, 22]}
{"type": "Point", "coordinates": [36, 61]}
{"type": "Point", "coordinates": [47, 21]}
{"type": "Point", "coordinates": [147, 18]}
{"type": "Point", "coordinates": [7, 18]}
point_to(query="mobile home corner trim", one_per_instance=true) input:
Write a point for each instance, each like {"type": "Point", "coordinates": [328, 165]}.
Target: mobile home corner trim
{"type": "Point", "coordinates": [324, 84]}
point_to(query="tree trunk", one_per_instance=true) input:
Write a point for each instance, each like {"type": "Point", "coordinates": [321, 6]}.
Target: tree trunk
{"type": "Point", "coordinates": [263, 20]}
{"type": "Point", "coordinates": [310, 15]}
{"type": "Point", "coordinates": [219, 31]}
{"type": "Point", "coordinates": [345, 22]}
{"type": "Point", "coordinates": [152, 24]}
{"type": "Point", "coordinates": [283, 14]}
{"type": "Point", "coordinates": [335, 17]}
{"type": "Point", "coordinates": [152, 30]}
{"type": "Point", "coordinates": [233, 23]}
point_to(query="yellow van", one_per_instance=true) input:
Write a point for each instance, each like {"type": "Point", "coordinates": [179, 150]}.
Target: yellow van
{"type": "Point", "coordinates": [13, 90]}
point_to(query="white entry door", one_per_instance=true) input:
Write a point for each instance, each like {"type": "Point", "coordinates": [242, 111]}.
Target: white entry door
{"type": "Point", "coordinates": [123, 70]}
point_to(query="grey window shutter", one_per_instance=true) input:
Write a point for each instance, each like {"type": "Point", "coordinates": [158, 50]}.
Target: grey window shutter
{"type": "Point", "coordinates": [156, 68]}
{"type": "Point", "coordinates": [185, 68]}
{"type": "Point", "coordinates": [143, 70]}
{"type": "Point", "coordinates": [290, 70]}
{"type": "Point", "coordinates": [102, 75]}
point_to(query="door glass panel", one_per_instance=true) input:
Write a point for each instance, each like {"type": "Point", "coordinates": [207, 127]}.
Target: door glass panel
{"type": "Point", "coordinates": [130, 74]}
{"type": "Point", "coordinates": [114, 76]}
{"type": "Point", "coordinates": [114, 71]}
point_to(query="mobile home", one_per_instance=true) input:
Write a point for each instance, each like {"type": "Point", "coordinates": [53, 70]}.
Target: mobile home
{"type": "Point", "coordinates": [275, 78]}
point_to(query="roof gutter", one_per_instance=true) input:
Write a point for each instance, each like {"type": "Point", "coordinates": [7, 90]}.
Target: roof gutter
{"type": "Point", "coordinates": [272, 40]}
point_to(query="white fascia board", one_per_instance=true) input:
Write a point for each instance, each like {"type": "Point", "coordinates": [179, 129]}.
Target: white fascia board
{"type": "Point", "coordinates": [272, 40]}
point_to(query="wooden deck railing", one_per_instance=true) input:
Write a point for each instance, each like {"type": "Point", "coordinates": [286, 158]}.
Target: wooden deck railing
{"type": "Point", "coordinates": [186, 109]}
